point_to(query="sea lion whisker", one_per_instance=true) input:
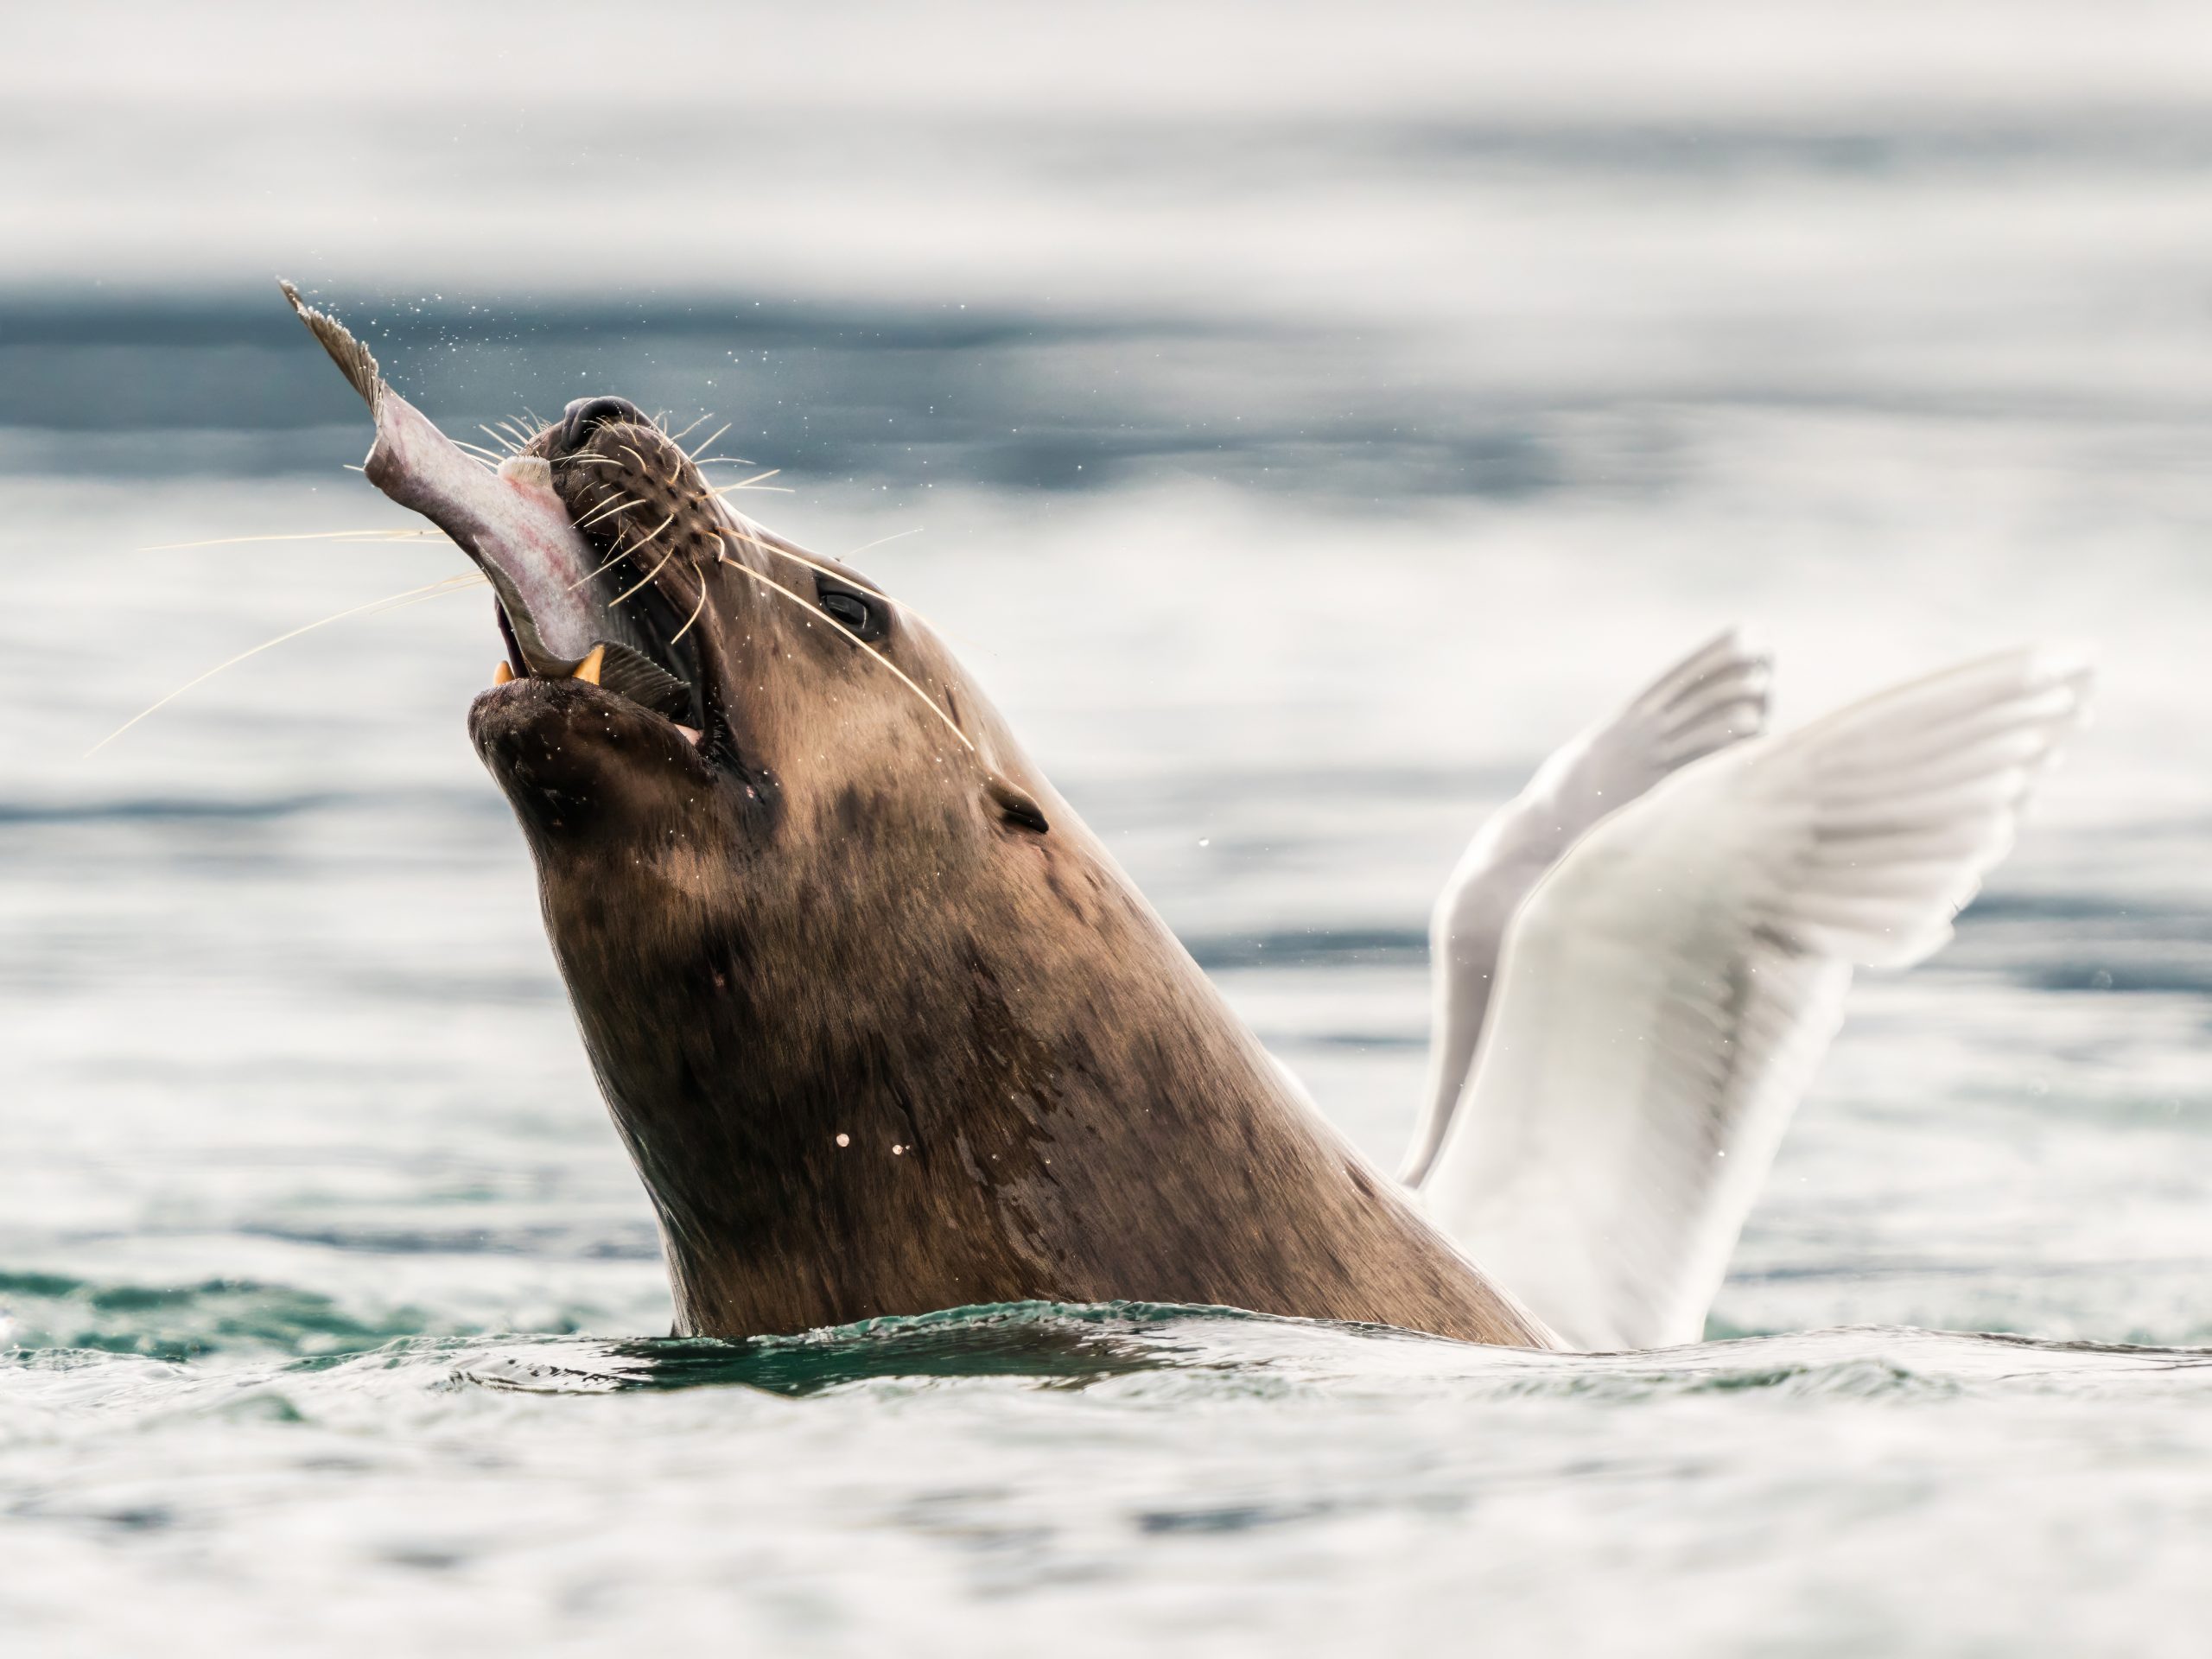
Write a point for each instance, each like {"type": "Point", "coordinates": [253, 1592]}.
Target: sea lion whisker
{"type": "Point", "coordinates": [881, 540]}
{"type": "Point", "coordinates": [815, 565]}
{"type": "Point", "coordinates": [497, 439]}
{"type": "Point", "coordinates": [711, 436]}
{"type": "Point", "coordinates": [652, 533]}
{"type": "Point", "coordinates": [621, 553]}
{"type": "Point", "coordinates": [376, 535]}
{"type": "Point", "coordinates": [747, 484]}
{"type": "Point", "coordinates": [698, 611]}
{"type": "Point", "coordinates": [623, 505]}
{"type": "Point", "coordinates": [722, 461]}
{"type": "Point", "coordinates": [747, 534]}
{"type": "Point", "coordinates": [390, 601]}
{"type": "Point", "coordinates": [646, 580]}
{"type": "Point", "coordinates": [928, 702]}
{"type": "Point", "coordinates": [521, 437]}
{"type": "Point", "coordinates": [609, 510]}
{"type": "Point", "coordinates": [678, 437]}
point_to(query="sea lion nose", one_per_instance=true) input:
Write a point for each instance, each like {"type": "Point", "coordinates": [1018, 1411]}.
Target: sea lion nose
{"type": "Point", "coordinates": [586, 414]}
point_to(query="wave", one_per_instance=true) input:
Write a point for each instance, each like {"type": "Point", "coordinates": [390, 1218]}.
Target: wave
{"type": "Point", "coordinates": [270, 1332]}
{"type": "Point", "coordinates": [46, 1312]}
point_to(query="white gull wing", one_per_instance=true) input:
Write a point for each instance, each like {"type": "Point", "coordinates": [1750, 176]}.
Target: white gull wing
{"type": "Point", "coordinates": [1714, 696]}
{"type": "Point", "coordinates": [1667, 991]}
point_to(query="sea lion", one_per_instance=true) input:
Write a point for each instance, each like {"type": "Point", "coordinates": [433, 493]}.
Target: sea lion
{"type": "Point", "coordinates": [883, 1026]}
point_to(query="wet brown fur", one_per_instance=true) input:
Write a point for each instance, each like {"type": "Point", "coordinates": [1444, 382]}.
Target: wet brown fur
{"type": "Point", "coordinates": [832, 924]}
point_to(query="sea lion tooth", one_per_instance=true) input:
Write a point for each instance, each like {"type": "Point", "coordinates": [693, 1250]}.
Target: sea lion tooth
{"type": "Point", "coordinates": [588, 668]}
{"type": "Point", "coordinates": [502, 674]}
{"type": "Point", "coordinates": [692, 734]}
{"type": "Point", "coordinates": [629, 673]}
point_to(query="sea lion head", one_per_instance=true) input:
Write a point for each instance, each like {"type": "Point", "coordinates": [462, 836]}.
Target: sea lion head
{"type": "Point", "coordinates": [744, 700]}
{"type": "Point", "coordinates": [807, 905]}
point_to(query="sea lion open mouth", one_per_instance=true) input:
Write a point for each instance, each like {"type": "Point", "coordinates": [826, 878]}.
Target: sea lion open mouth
{"type": "Point", "coordinates": [525, 525]}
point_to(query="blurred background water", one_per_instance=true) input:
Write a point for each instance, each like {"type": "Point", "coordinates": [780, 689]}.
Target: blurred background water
{"type": "Point", "coordinates": [1301, 419]}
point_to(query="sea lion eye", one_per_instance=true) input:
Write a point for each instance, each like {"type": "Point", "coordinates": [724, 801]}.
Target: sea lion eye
{"type": "Point", "coordinates": [852, 611]}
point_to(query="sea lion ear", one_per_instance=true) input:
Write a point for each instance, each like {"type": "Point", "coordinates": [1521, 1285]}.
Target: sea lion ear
{"type": "Point", "coordinates": [1017, 807]}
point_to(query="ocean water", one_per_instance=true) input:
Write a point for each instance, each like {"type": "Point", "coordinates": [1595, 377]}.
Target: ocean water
{"type": "Point", "coordinates": [1300, 429]}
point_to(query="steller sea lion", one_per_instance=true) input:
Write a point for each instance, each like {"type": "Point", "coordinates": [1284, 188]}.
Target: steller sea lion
{"type": "Point", "coordinates": [882, 1024]}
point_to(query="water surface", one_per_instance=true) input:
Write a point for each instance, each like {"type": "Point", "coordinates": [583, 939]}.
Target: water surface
{"type": "Point", "coordinates": [1297, 447]}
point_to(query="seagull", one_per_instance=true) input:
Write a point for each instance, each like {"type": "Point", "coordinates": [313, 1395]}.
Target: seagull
{"type": "Point", "coordinates": [1639, 961]}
